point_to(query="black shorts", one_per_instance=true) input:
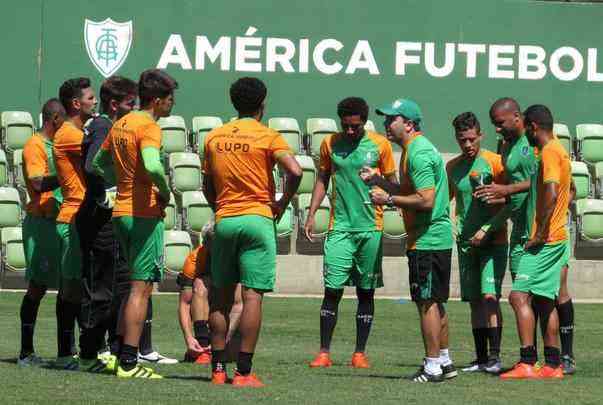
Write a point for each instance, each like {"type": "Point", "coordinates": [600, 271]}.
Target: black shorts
{"type": "Point", "coordinates": [429, 274]}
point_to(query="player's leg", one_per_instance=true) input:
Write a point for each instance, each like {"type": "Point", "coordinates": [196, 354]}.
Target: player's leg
{"type": "Point", "coordinates": [200, 310]}
{"type": "Point", "coordinates": [493, 266]}
{"type": "Point", "coordinates": [235, 314]}
{"type": "Point", "coordinates": [338, 261]}
{"type": "Point", "coordinates": [549, 326]}
{"type": "Point", "coordinates": [565, 311]}
{"type": "Point", "coordinates": [120, 292]}
{"type": "Point", "coordinates": [146, 352]}
{"type": "Point", "coordinates": [28, 314]}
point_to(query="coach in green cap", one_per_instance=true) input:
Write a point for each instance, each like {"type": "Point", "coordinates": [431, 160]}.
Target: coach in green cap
{"type": "Point", "coordinates": [423, 196]}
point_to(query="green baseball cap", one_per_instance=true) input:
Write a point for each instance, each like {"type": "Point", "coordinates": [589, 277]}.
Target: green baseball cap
{"type": "Point", "coordinates": [402, 106]}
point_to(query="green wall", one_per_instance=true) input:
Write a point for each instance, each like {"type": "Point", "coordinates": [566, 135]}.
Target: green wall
{"type": "Point", "coordinates": [43, 44]}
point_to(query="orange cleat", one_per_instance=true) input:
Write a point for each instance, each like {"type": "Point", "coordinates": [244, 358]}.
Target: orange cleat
{"type": "Point", "coordinates": [219, 377]}
{"type": "Point", "coordinates": [359, 360]}
{"type": "Point", "coordinates": [249, 380]}
{"type": "Point", "coordinates": [321, 360]}
{"type": "Point", "coordinates": [204, 357]}
{"type": "Point", "coordinates": [521, 371]}
{"type": "Point", "coordinates": [548, 372]}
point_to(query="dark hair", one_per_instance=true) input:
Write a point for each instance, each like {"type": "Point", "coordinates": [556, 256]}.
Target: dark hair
{"type": "Point", "coordinates": [116, 88]}
{"type": "Point", "coordinates": [506, 103]}
{"type": "Point", "coordinates": [70, 89]}
{"type": "Point", "coordinates": [247, 95]}
{"type": "Point", "coordinates": [155, 83]}
{"type": "Point", "coordinates": [353, 106]}
{"type": "Point", "coordinates": [52, 107]}
{"type": "Point", "coordinates": [540, 115]}
{"type": "Point", "coordinates": [466, 121]}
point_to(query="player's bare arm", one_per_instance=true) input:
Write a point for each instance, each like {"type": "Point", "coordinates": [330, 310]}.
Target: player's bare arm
{"type": "Point", "coordinates": [293, 176]}
{"type": "Point", "coordinates": [422, 200]}
{"type": "Point", "coordinates": [389, 183]}
{"type": "Point", "coordinates": [209, 191]}
{"type": "Point", "coordinates": [551, 191]}
{"type": "Point", "coordinates": [44, 184]}
{"type": "Point", "coordinates": [497, 193]}
{"type": "Point", "coordinates": [318, 194]}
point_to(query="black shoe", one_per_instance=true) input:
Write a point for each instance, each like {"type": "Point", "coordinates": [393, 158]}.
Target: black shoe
{"type": "Point", "coordinates": [423, 376]}
{"type": "Point", "coordinates": [568, 364]}
{"type": "Point", "coordinates": [449, 371]}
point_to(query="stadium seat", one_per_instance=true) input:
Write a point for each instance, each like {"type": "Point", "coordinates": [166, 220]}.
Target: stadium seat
{"type": "Point", "coordinates": [195, 211]}
{"type": "Point", "coordinates": [13, 254]}
{"type": "Point", "coordinates": [564, 136]}
{"type": "Point", "coordinates": [171, 214]}
{"type": "Point", "coordinates": [317, 129]}
{"type": "Point", "coordinates": [321, 218]}
{"type": "Point", "coordinates": [173, 134]}
{"type": "Point", "coordinates": [598, 172]}
{"type": "Point", "coordinates": [308, 174]}
{"type": "Point", "coordinates": [17, 127]}
{"type": "Point", "coordinates": [393, 225]}
{"type": "Point", "coordinates": [201, 126]}
{"type": "Point", "coordinates": [3, 169]}
{"type": "Point", "coordinates": [185, 171]}
{"type": "Point", "coordinates": [582, 180]}
{"type": "Point", "coordinates": [590, 221]}
{"type": "Point", "coordinates": [10, 207]}
{"type": "Point", "coordinates": [590, 142]}
{"type": "Point", "coordinates": [18, 172]}
{"type": "Point", "coordinates": [370, 126]}
{"type": "Point", "coordinates": [289, 128]}
{"type": "Point", "coordinates": [176, 247]}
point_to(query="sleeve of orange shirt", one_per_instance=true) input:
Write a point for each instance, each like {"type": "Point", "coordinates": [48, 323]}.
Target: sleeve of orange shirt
{"type": "Point", "coordinates": [34, 160]}
{"type": "Point", "coordinates": [387, 165]}
{"type": "Point", "coordinates": [150, 136]}
{"type": "Point", "coordinates": [498, 170]}
{"type": "Point", "coordinates": [71, 141]}
{"type": "Point", "coordinates": [325, 155]}
{"type": "Point", "coordinates": [280, 146]}
{"type": "Point", "coordinates": [551, 166]}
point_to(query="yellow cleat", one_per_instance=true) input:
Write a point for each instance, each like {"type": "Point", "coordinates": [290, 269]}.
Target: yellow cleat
{"type": "Point", "coordinates": [137, 372]}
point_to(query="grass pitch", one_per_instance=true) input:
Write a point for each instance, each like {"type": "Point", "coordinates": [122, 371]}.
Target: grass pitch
{"type": "Point", "coordinates": [289, 340]}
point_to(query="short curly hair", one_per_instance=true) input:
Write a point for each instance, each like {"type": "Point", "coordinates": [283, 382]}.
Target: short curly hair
{"type": "Point", "coordinates": [155, 83]}
{"type": "Point", "coordinates": [247, 95]}
{"type": "Point", "coordinates": [466, 121]}
{"type": "Point", "coordinates": [353, 106]}
{"type": "Point", "coordinates": [72, 89]}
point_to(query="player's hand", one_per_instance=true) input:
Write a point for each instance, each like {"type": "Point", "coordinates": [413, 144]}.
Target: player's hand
{"type": "Point", "coordinates": [193, 345]}
{"type": "Point", "coordinates": [162, 203]}
{"type": "Point", "coordinates": [278, 209]}
{"type": "Point", "coordinates": [379, 196]}
{"type": "Point", "coordinates": [368, 175]}
{"type": "Point", "coordinates": [308, 227]}
{"type": "Point", "coordinates": [491, 193]}
{"type": "Point", "coordinates": [478, 238]}
{"type": "Point", "coordinates": [534, 242]}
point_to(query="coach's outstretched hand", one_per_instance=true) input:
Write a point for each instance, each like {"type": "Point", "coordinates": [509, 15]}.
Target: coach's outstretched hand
{"type": "Point", "coordinates": [368, 175]}
{"type": "Point", "coordinates": [491, 193]}
{"type": "Point", "coordinates": [379, 196]}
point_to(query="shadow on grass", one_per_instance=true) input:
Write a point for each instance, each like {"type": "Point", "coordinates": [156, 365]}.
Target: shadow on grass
{"type": "Point", "coordinates": [9, 361]}
{"type": "Point", "coordinates": [187, 378]}
{"type": "Point", "coordinates": [380, 376]}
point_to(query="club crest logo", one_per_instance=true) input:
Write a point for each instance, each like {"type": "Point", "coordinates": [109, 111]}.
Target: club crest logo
{"type": "Point", "coordinates": [108, 43]}
{"type": "Point", "coordinates": [525, 151]}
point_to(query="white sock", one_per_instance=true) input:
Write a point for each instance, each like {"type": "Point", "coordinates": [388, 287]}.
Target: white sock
{"type": "Point", "coordinates": [432, 365]}
{"type": "Point", "coordinates": [445, 359]}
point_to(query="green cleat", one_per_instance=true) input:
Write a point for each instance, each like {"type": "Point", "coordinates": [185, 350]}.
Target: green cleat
{"type": "Point", "coordinates": [70, 363]}
{"type": "Point", "coordinates": [94, 366]}
{"type": "Point", "coordinates": [137, 372]}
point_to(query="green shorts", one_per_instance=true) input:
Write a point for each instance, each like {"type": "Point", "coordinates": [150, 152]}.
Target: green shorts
{"type": "Point", "coordinates": [142, 241]}
{"type": "Point", "coordinates": [569, 253]}
{"type": "Point", "coordinates": [353, 259]}
{"type": "Point", "coordinates": [516, 252]}
{"type": "Point", "coordinates": [70, 251]}
{"type": "Point", "coordinates": [41, 244]}
{"type": "Point", "coordinates": [244, 250]}
{"type": "Point", "coordinates": [481, 270]}
{"type": "Point", "coordinates": [540, 270]}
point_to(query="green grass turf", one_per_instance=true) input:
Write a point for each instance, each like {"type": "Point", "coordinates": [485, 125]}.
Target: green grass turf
{"type": "Point", "coordinates": [288, 341]}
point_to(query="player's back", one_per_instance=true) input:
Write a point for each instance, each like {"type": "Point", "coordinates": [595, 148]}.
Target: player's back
{"type": "Point", "coordinates": [136, 195]}
{"type": "Point", "coordinates": [67, 150]}
{"type": "Point", "coordinates": [240, 157]}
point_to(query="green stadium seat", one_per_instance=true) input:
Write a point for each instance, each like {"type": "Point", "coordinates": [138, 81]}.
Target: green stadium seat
{"type": "Point", "coordinates": [171, 214]}
{"type": "Point", "coordinates": [18, 172]}
{"type": "Point", "coordinates": [284, 227]}
{"type": "Point", "coordinates": [17, 128]}
{"type": "Point", "coordinates": [176, 247]}
{"type": "Point", "coordinates": [317, 129]}
{"type": "Point", "coordinates": [289, 129]}
{"type": "Point", "coordinates": [196, 211]}
{"type": "Point", "coordinates": [582, 180]}
{"type": "Point", "coordinates": [308, 174]}
{"type": "Point", "coordinates": [3, 169]}
{"type": "Point", "coordinates": [590, 221]}
{"type": "Point", "coordinates": [173, 134]}
{"type": "Point", "coordinates": [13, 254]}
{"type": "Point", "coordinates": [321, 218]}
{"type": "Point", "coordinates": [185, 171]}
{"type": "Point", "coordinates": [393, 224]}
{"type": "Point", "coordinates": [201, 127]}
{"type": "Point", "coordinates": [590, 142]}
{"type": "Point", "coordinates": [598, 173]}
{"type": "Point", "coordinates": [564, 136]}
{"type": "Point", "coordinates": [10, 207]}
{"type": "Point", "coordinates": [369, 126]}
